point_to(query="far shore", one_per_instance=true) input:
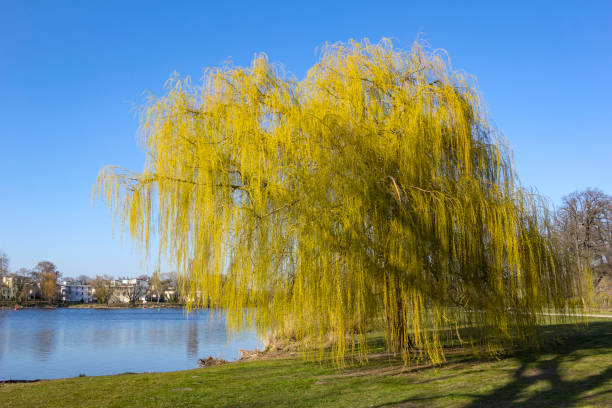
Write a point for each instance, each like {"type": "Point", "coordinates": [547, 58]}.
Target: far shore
{"type": "Point", "coordinates": [44, 305]}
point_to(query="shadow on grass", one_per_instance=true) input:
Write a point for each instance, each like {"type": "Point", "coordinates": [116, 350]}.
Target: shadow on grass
{"type": "Point", "coordinates": [536, 367]}
{"type": "Point", "coordinates": [546, 366]}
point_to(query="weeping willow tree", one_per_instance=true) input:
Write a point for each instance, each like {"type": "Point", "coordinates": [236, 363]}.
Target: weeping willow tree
{"type": "Point", "coordinates": [371, 194]}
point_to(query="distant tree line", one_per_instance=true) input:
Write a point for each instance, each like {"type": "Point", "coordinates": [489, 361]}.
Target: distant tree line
{"type": "Point", "coordinates": [161, 287]}
{"type": "Point", "coordinates": [37, 283]}
{"type": "Point", "coordinates": [43, 282]}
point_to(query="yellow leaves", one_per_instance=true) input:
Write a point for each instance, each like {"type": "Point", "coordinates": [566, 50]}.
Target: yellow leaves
{"type": "Point", "coordinates": [372, 191]}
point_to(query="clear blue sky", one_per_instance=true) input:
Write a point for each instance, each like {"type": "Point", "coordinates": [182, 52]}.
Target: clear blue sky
{"type": "Point", "coordinates": [71, 74]}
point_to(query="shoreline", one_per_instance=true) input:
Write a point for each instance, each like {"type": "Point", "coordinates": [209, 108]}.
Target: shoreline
{"type": "Point", "coordinates": [4, 306]}
{"type": "Point", "coordinates": [572, 366]}
{"type": "Point", "coordinates": [210, 361]}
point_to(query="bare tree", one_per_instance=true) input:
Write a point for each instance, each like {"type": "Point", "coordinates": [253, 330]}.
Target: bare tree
{"type": "Point", "coordinates": [4, 264]}
{"type": "Point", "coordinates": [135, 292]}
{"type": "Point", "coordinates": [584, 225]}
{"type": "Point", "coordinates": [84, 279]}
{"type": "Point", "coordinates": [46, 267]}
{"type": "Point", "coordinates": [170, 287]}
{"type": "Point", "coordinates": [23, 285]}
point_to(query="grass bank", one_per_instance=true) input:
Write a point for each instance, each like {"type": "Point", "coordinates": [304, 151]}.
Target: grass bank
{"type": "Point", "coordinates": [574, 368]}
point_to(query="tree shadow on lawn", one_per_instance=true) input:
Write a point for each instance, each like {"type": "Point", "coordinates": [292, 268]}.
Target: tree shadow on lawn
{"type": "Point", "coordinates": [536, 367]}
{"type": "Point", "coordinates": [545, 366]}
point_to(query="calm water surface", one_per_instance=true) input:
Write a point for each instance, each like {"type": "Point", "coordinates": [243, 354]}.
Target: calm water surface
{"type": "Point", "coordinates": [38, 343]}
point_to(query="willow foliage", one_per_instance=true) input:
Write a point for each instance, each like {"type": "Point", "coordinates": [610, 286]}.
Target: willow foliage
{"type": "Point", "coordinates": [373, 193]}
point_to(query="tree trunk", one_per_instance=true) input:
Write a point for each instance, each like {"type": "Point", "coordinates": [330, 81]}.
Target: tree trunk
{"type": "Point", "coordinates": [398, 339]}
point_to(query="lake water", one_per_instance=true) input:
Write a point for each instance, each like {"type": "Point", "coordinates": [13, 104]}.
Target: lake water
{"type": "Point", "coordinates": [57, 343]}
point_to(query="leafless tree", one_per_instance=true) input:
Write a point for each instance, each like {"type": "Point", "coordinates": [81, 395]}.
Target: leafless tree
{"type": "Point", "coordinates": [170, 288]}
{"type": "Point", "coordinates": [23, 285]}
{"type": "Point", "coordinates": [4, 264]}
{"type": "Point", "coordinates": [84, 279]}
{"type": "Point", "coordinates": [584, 225]}
{"type": "Point", "coordinates": [135, 292]}
{"type": "Point", "coordinates": [46, 267]}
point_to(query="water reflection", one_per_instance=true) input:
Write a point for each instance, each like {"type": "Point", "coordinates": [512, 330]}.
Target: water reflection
{"type": "Point", "coordinates": [2, 338]}
{"type": "Point", "coordinates": [67, 342]}
{"type": "Point", "coordinates": [44, 342]}
{"type": "Point", "coordinates": [192, 340]}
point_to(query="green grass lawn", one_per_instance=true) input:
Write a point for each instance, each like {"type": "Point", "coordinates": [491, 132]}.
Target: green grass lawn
{"type": "Point", "coordinates": [573, 371]}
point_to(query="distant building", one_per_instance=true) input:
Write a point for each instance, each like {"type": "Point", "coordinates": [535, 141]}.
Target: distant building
{"type": "Point", "coordinates": [10, 285]}
{"type": "Point", "coordinates": [76, 291]}
{"type": "Point", "coordinates": [129, 290]}
{"type": "Point", "coordinates": [8, 291]}
{"type": "Point", "coordinates": [169, 293]}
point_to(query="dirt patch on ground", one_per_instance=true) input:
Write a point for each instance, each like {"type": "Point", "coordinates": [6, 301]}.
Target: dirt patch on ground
{"type": "Point", "coordinates": [536, 373]}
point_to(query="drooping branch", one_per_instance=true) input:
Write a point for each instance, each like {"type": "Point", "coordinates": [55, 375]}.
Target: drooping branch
{"type": "Point", "coordinates": [371, 192]}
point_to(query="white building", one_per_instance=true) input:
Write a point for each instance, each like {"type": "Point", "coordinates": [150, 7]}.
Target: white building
{"type": "Point", "coordinates": [7, 288]}
{"type": "Point", "coordinates": [126, 290]}
{"type": "Point", "coordinates": [10, 285]}
{"type": "Point", "coordinates": [75, 291]}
